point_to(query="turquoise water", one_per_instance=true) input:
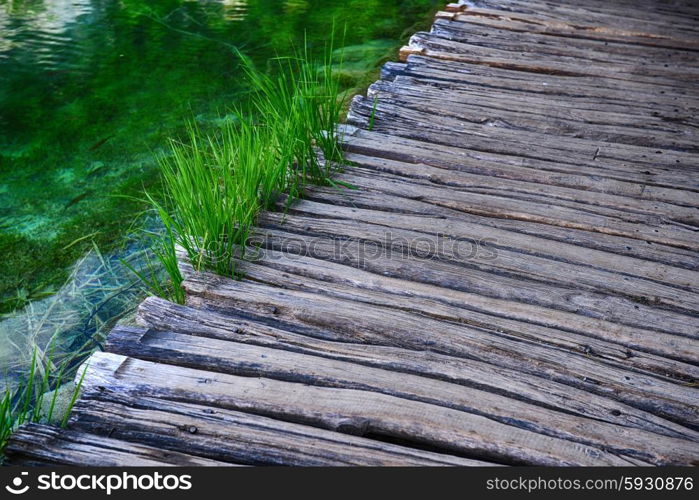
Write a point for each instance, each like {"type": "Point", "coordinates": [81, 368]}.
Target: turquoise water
{"type": "Point", "coordinates": [90, 92]}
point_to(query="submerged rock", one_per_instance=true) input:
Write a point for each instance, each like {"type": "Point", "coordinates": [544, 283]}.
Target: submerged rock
{"type": "Point", "coordinates": [63, 398]}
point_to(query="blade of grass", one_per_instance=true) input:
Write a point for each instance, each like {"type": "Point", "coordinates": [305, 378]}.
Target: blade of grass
{"type": "Point", "coordinates": [214, 186]}
{"type": "Point", "coordinates": [74, 397]}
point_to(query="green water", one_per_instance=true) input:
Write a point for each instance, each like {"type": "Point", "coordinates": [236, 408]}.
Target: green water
{"type": "Point", "coordinates": [90, 91]}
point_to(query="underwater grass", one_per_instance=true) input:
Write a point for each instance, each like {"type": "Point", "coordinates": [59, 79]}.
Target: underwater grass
{"type": "Point", "coordinates": [26, 402]}
{"type": "Point", "coordinates": [46, 342]}
{"type": "Point", "coordinates": [214, 186]}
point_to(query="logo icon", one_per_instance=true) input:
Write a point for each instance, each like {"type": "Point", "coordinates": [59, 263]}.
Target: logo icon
{"type": "Point", "coordinates": [16, 488]}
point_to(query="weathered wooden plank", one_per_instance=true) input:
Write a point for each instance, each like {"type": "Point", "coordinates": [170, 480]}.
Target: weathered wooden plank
{"type": "Point", "coordinates": [386, 202]}
{"type": "Point", "coordinates": [347, 410]}
{"type": "Point", "coordinates": [530, 207]}
{"type": "Point", "coordinates": [572, 332]}
{"type": "Point", "coordinates": [593, 51]}
{"type": "Point", "coordinates": [626, 183]}
{"type": "Point", "coordinates": [629, 117]}
{"type": "Point", "coordinates": [468, 28]}
{"type": "Point", "coordinates": [363, 322]}
{"type": "Point", "coordinates": [536, 115]}
{"type": "Point", "coordinates": [405, 264]}
{"type": "Point", "coordinates": [440, 47]}
{"type": "Point", "coordinates": [667, 115]}
{"type": "Point", "coordinates": [556, 49]}
{"type": "Point", "coordinates": [478, 138]}
{"type": "Point", "coordinates": [644, 10]}
{"type": "Point", "coordinates": [244, 438]}
{"type": "Point", "coordinates": [530, 112]}
{"type": "Point", "coordinates": [518, 22]}
{"type": "Point", "coordinates": [243, 359]}
{"type": "Point", "coordinates": [460, 133]}
{"type": "Point", "coordinates": [651, 19]}
{"type": "Point", "coordinates": [160, 314]}
{"type": "Point", "coordinates": [652, 213]}
{"type": "Point", "coordinates": [451, 240]}
{"type": "Point", "coordinates": [668, 105]}
{"type": "Point", "coordinates": [654, 17]}
{"type": "Point", "coordinates": [37, 444]}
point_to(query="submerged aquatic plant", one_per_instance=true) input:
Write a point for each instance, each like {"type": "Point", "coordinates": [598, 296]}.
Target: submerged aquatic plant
{"type": "Point", "coordinates": [214, 186]}
{"type": "Point", "coordinates": [43, 345]}
{"type": "Point", "coordinates": [31, 401]}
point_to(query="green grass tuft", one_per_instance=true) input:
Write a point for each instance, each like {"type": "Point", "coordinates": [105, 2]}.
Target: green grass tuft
{"type": "Point", "coordinates": [25, 402]}
{"type": "Point", "coordinates": [215, 185]}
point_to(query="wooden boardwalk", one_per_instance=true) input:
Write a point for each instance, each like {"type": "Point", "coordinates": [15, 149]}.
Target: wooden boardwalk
{"type": "Point", "coordinates": [515, 279]}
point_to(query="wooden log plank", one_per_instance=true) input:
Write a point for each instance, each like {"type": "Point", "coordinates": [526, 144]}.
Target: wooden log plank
{"type": "Point", "coordinates": [653, 20]}
{"type": "Point", "coordinates": [635, 9]}
{"type": "Point", "coordinates": [347, 410]}
{"type": "Point", "coordinates": [452, 240]}
{"type": "Point", "coordinates": [621, 183]}
{"type": "Point", "coordinates": [622, 207]}
{"type": "Point", "coordinates": [508, 36]}
{"type": "Point", "coordinates": [571, 332]}
{"type": "Point", "coordinates": [633, 186]}
{"type": "Point", "coordinates": [596, 338]}
{"type": "Point", "coordinates": [439, 47]}
{"type": "Point", "coordinates": [406, 265]}
{"type": "Point", "coordinates": [160, 314]}
{"type": "Point", "coordinates": [658, 229]}
{"type": "Point", "coordinates": [518, 23]}
{"type": "Point", "coordinates": [443, 47]}
{"type": "Point", "coordinates": [381, 201]}
{"type": "Point", "coordinates": [563, 207]}
{"type": "Point", "coordinates": [243, 359]}
{"type": "Point", "coordinates": [572, 107]}
{"type": "Point", "coordinates": [244, 438]}
{"type": "Point", "coordinates": [668, 105]}
{"type": "Point", "coordinates": [477, 119]}
{"type": "Point", "coordinates": [362, 322]}
{"type": "Point", "coordinates": [454, 132]}
{"type": "Point", "coordinates": [526, 205]}
{"type": "Point", "coordinates": [492, 140]}
{"type": "Point", "coordinates": [532, 41]}
{"type": "Point", "coordinates": [558, 48]}
{"type": "Point", "coordinates": [638, 9]}
{"type": "Point", "coordinates": [529, 112]}
{"type": "Point", "coordinates": [650, 17]}
{"type": "Point", "coordinates": [37, 444]}
{"type": "Point", "coordinates": [537, 116]}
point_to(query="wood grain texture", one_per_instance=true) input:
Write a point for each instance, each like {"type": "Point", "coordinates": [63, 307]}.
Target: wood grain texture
{"type": "Point", "coordinates": [448, 159]}
{"type": "Point", "coordinates": [362, 320]}
{"type": "Point", "coordinates": [231, 357]}
{"type": "Point", "coordinates": [160, 314]}
{"type": "Point", "coordinates": [352, 411]}
{"type": "Point", "coordinates": [37, 444]}
{"type": "Point", "coordinates": [504, 271]}
{"type": "Point", "coordinates": [244, 438]}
